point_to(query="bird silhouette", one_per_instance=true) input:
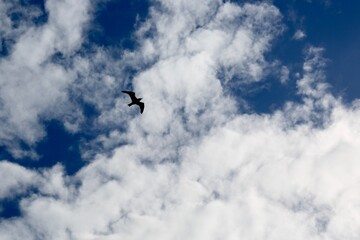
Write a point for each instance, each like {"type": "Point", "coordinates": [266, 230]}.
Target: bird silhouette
{"type": "Point", "coordinates": [135, 100]}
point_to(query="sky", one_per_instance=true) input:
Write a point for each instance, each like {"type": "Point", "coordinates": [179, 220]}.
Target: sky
{"type": "Point", "coordinates": [250, 128]}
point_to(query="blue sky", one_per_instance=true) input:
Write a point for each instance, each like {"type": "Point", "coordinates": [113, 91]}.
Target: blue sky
{"type": "Point", "coordinates": [332, 25]}
{"type": "Point", "coordinates": [249, 105]}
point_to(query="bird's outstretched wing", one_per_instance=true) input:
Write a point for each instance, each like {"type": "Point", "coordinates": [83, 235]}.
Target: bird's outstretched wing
{"type": "Point", "coordinates": [142, 106]}
{"type": "Point", "coordinates": [131, 94]}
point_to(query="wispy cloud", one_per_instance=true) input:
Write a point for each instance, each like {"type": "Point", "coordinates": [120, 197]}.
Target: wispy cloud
{"type": "Point", "coordinates": [284, 74]}
{"type": "Point", "coordinates": [299, 35]}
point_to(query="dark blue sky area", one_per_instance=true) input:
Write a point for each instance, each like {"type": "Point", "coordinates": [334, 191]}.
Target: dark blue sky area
{"type": "Point", "coordinates": [334, 26]}
{"type": "Point", "coordinates": [58, 146]}
{"type": "Point", "coordinates": [115, 22]}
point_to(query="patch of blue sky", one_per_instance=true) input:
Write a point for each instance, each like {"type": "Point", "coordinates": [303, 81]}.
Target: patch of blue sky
{"type": "Point", "coordinates": [59, 146]}
{"type": "Point", "coordinates": [115, 22]}
{"type": "Point", "coordinates": [38, 17]}
{"type": "Point", "coordinates": [334, 25]}
{"type": "Point", "coordinates": [9, 207]}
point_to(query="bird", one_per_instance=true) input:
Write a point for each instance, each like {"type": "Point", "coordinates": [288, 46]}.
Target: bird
{"type": "Point", "coordinates": [135, 100]}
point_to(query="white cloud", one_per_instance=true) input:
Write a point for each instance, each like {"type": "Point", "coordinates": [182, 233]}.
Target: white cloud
{"type": "Point", "coordinates": [192, 166]}
{"type": "Point", "coordinates": [12, 27]}
{"type": "Point", "coordinates": [230, 28]}
{"type": "Point", "coordinates": [15, 179]}
{"type": "Point", "coordinates": [299, 35]}
{"type": "Point", "coordinates": [318, 101]}
{"type": "Point", "coordinates": [31, 84]}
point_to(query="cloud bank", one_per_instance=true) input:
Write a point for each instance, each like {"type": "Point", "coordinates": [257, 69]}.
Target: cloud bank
{"type": "Point", "coordinates": [194, 165]}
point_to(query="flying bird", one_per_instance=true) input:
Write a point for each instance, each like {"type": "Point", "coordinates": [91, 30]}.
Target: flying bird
{"type": "Point", "coordinates": [135, 100]}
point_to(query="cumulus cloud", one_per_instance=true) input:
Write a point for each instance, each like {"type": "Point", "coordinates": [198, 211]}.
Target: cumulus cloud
{"type": "Point", "coordinates": [15, 179]}
{"type": "Point", "coordinates": [194, 166]}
